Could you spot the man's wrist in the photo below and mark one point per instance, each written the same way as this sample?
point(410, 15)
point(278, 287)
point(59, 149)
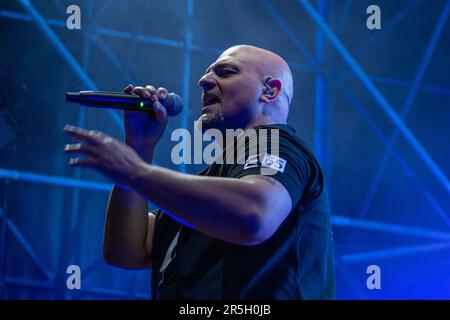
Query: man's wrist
point(147, 157)
point(144, 150)
point(146, 153)
point(142, 170)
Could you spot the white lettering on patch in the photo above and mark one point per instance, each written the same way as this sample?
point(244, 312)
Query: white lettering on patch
point(269, 161)
point(252, 162)
point(273, 162)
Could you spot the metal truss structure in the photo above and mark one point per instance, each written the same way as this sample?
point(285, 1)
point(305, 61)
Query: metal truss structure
point(323, 33)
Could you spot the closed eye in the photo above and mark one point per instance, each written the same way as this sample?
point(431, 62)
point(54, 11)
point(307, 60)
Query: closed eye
point(225, 72)
point(223, 69)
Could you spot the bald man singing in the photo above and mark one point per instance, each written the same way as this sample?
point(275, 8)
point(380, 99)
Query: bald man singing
point(232, 231)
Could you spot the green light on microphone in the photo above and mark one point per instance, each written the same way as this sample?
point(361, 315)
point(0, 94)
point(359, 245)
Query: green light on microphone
point(141, 105)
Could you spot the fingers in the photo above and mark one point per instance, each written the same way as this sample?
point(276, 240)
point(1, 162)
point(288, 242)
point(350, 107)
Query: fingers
point(148, 92)
point(140, 92)
point(158, 108)
point(91, 136)
point(128, 89)
point(162, 93)
point(77, 162)
point(79, 148)
point(157, 96)
point(91, 139)
point(152, 91)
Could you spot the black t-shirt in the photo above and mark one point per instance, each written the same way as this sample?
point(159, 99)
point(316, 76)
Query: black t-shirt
point(295, 263)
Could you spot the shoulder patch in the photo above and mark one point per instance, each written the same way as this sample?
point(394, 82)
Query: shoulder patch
point(269, 161)
point(273, 162)
point(252, 162)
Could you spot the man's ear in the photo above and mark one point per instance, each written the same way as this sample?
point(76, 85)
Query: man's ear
point(273, 88)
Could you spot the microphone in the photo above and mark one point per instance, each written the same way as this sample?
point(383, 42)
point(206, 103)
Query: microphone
point(124, 101)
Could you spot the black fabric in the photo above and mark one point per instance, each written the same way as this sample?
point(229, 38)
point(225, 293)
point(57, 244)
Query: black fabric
point(295, 263)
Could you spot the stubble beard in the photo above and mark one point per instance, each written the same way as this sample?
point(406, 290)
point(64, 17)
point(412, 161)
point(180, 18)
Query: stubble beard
point(216, 121)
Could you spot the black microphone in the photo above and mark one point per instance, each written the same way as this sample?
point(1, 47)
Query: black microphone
point(124, 101)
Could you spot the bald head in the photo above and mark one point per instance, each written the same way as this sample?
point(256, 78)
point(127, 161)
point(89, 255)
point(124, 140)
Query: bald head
point(233, 95)
point(265, 63)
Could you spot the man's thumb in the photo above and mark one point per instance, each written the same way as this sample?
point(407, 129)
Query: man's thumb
point(160, 112)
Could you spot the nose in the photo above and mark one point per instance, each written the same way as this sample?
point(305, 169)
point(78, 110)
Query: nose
point(207, 82)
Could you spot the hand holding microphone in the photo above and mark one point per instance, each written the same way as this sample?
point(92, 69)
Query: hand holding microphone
point(125, 101)
point(143, 130)
point(145, 112)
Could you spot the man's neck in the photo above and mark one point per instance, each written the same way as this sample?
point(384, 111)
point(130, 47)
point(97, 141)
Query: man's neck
point(263, 122)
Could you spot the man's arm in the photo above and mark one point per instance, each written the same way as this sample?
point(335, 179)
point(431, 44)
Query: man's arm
point(244, 211)
point(129, 230)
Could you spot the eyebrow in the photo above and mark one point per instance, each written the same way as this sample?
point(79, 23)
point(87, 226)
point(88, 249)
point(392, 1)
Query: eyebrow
point(222, 65)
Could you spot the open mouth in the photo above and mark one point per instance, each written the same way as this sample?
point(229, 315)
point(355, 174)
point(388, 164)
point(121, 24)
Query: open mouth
point(206, 109)
point(210, 100)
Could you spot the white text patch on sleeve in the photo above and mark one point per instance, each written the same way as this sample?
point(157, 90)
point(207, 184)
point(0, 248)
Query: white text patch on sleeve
point(274, 162)
point(269, 161)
